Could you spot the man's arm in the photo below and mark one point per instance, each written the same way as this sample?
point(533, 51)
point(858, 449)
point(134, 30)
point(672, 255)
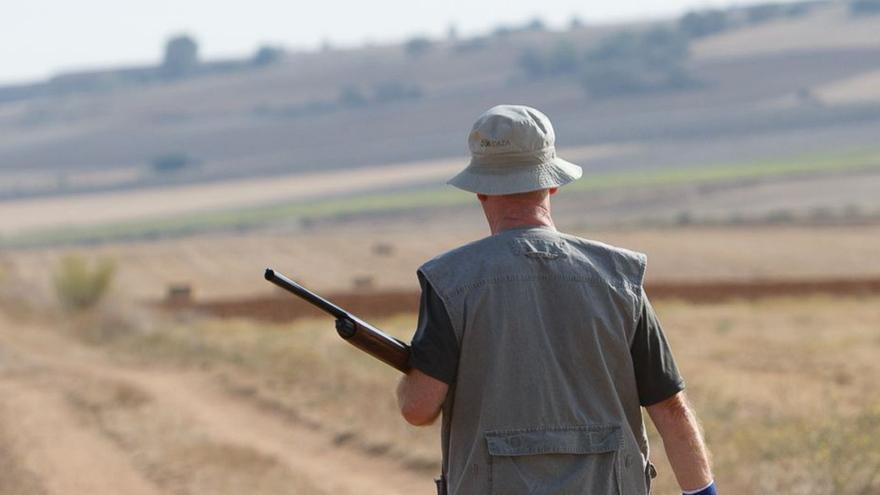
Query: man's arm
point(433, 359)
point(420, 397)
point(683, 441)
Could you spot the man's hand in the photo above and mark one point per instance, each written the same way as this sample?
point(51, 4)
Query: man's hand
point(683, 441)
point(420, 397)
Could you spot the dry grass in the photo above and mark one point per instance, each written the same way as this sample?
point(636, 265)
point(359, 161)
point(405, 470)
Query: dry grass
point(330, 259)
point(785, 388)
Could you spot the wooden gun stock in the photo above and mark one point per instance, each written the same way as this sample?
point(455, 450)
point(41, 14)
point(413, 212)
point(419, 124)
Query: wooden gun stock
point(355, 331)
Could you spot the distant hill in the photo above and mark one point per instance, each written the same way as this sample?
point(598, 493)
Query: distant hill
point(776, 71)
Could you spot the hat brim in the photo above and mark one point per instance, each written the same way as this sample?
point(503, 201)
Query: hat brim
point(516, 179)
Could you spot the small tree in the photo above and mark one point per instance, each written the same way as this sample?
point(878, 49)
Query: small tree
point(799, 9)
point(532, 62)
point(760, 13)
point(564, 58)
point(171, 162)
point(350, 96)
point(267, 55)
point(452, 32)
point(561, 60)
point(636, 63)
point(535, 25)
point(418, 46)
point(80, 285)
point(394, 90)
point(474, 44)
point(181, 56)
point(864, 7)
point(698, 24)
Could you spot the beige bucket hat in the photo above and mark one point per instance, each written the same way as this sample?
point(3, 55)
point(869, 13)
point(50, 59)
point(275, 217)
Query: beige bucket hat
point(513, 151)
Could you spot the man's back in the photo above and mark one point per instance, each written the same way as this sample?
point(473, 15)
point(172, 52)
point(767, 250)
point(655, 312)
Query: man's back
point(538, 347)
point(545, 398)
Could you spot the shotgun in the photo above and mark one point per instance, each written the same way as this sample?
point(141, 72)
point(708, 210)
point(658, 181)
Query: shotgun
point(355, 331)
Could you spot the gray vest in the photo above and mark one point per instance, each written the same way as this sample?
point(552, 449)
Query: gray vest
point(545, 399)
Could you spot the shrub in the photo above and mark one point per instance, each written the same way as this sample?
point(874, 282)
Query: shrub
point(471, 45)
point(864, 7)
point(79, 284)
point(502, 31)
point(629, 63)
point(351, 96)
point(533, 63)
point(393, 90)
point(535, 25)
point(561, 60)
point(267, 55)
point(760, 13)
point(171, 162)
point(799, 9)
point(418, 46)
point(564, 58)
point(698, 24)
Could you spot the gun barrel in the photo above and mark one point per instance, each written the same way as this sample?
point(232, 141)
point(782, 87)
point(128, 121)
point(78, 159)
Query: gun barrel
point(354, 330)
point(316, 300)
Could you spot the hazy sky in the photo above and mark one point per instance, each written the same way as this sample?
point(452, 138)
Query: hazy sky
point(41, 37)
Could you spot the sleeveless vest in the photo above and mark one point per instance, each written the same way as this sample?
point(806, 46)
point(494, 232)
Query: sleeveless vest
point(545, 398)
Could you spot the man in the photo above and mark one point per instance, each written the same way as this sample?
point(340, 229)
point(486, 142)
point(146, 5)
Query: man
point(540, 347)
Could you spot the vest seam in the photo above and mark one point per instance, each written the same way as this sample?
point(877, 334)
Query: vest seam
point(454, 318)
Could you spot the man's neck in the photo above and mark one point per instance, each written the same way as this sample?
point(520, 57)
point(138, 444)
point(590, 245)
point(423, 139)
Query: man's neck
point(511, 222)
point(518, 210)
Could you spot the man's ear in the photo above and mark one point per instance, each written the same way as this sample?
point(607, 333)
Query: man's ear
point(553, 190)
point(482, 197)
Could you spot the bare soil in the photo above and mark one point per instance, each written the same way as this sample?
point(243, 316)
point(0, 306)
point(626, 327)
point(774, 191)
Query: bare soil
point(74, 421)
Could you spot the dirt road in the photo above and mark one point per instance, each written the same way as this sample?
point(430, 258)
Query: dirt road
point(75, 421)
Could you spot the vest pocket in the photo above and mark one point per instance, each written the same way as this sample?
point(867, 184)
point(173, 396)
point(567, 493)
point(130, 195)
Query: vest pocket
point(574, 460)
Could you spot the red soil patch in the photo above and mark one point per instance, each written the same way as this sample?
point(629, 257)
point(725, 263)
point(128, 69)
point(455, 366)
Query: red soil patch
point(377, 304)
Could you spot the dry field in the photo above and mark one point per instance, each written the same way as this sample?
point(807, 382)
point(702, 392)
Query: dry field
point(92, 209)
point(829, 28)
point(107, 207)
point(118, 401)
point(387, 253)
point(125, 400)
point(247, 124)
point(863, 88)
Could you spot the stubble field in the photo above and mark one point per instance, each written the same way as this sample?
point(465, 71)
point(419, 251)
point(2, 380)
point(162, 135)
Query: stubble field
point(385, 255)
point(123, 399)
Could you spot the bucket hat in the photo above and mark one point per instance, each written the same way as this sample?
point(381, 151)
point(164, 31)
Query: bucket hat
point(513, 151)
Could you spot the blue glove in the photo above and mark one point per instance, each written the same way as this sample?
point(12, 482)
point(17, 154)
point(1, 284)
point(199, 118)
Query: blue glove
point(707, 490)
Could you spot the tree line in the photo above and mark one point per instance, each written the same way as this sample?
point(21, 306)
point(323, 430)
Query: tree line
point(654, 59)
